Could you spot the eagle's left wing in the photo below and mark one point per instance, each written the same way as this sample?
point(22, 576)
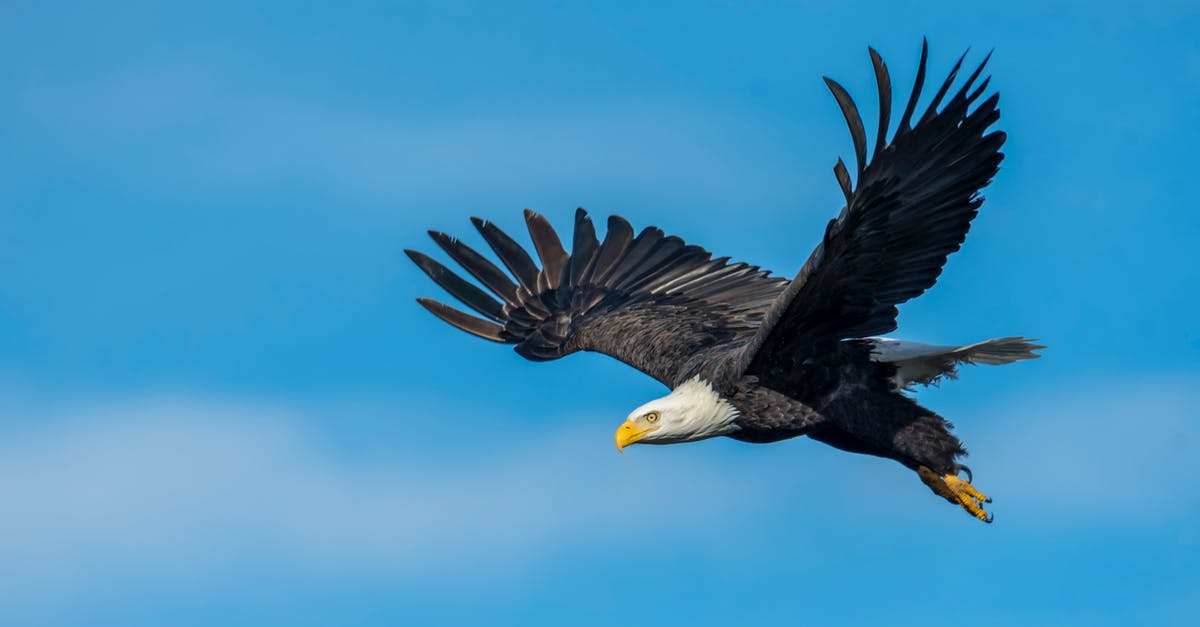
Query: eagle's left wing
point(651, 301)
point(910, 208)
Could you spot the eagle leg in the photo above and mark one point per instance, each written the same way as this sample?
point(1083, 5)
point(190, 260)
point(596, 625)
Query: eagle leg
point(957, 491)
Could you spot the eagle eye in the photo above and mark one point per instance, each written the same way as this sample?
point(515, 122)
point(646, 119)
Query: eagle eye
point(651, 417)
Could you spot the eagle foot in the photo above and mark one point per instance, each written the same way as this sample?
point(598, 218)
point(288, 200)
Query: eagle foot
point(957, 491)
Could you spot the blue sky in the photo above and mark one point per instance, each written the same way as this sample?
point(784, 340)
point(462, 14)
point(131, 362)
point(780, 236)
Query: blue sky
point(219, 403)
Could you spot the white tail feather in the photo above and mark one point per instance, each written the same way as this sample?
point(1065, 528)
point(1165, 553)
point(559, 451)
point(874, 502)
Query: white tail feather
point(927, 363)
point(1003, 350)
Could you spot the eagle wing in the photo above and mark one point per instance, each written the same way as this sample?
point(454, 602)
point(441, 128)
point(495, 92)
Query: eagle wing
point(651, 301)
point(911, 208)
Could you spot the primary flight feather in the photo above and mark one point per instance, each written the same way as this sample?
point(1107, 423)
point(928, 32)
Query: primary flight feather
point(760, 358)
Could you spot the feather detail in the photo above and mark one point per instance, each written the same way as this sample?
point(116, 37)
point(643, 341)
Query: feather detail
point(510, 253)
point(470, 324)
point(470, 295)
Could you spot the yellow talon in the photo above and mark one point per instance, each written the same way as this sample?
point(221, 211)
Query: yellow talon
point(957, 491)
point(957, 484)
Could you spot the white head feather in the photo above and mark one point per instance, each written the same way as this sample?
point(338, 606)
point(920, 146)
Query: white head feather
point(692, 411)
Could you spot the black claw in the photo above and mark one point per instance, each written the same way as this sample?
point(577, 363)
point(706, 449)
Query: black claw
point(990, 518)
point(987, 500)
point(967, 469)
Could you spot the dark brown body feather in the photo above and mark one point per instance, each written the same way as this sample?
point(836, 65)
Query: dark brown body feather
point(784, 353)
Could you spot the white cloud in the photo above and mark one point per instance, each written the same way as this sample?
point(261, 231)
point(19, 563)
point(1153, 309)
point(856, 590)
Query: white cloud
point(175, 489)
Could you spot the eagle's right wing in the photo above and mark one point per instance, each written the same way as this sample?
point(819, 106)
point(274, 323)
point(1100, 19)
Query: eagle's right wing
point(651, 301)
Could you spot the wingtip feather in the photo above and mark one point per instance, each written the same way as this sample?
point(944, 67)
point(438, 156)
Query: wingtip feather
point(464, 321)
point(883, 85)
point(853, 120)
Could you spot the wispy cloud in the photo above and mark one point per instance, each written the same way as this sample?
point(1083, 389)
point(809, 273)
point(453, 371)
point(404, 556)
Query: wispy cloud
point(165, 489)
point(169, 489)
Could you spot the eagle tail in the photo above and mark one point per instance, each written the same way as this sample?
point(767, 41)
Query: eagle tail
point(1004, 350)
point(927, 364)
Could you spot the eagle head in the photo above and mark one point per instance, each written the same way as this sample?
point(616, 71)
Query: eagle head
point(692, 411)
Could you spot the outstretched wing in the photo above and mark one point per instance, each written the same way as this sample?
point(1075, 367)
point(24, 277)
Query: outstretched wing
point(911, 208)
point(651, 301)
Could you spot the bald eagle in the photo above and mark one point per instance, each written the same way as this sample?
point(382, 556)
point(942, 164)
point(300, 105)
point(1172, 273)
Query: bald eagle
point(760, 358)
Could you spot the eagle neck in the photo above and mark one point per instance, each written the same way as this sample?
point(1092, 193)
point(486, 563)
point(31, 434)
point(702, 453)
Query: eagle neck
point(711, 414)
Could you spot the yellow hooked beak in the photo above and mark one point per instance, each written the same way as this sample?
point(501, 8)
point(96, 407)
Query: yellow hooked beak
point(629, 433)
